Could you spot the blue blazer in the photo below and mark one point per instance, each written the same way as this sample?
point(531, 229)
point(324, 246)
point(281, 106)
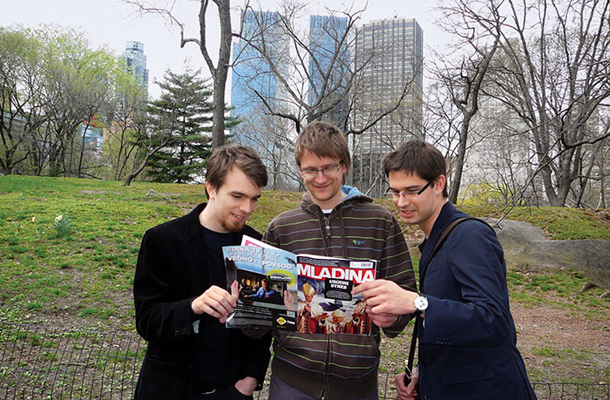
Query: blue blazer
point(467, 343)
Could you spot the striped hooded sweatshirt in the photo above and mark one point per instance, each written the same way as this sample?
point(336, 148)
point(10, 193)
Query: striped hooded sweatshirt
point(339, 366)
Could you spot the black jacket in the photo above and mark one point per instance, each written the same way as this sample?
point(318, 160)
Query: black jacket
point(172, 270)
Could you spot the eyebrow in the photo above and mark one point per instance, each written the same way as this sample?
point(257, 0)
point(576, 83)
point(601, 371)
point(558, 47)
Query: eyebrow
point(323, 166)
point(412, 187)
point(237, 192)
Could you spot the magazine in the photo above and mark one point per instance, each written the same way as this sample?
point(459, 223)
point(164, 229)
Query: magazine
point(274, 283)
point(325, 302)
point(267, 282)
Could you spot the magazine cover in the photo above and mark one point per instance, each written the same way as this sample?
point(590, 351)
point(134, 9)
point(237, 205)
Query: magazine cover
point(325, 302)
point(267, 286)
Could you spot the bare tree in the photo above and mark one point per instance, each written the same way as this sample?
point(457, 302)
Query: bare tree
point(555, 79)
point(219, 68)
point(273, 139)
point(149, 142)
point(476, 25)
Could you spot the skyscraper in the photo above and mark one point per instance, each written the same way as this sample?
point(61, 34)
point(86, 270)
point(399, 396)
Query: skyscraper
point(135, 61)
point(253, 77)
point(329, 67)
point(389, 53)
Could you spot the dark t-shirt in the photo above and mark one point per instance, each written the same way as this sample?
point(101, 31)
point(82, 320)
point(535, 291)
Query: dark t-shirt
point(215, 359)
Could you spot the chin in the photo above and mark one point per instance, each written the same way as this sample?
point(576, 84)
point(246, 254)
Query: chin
point(234, 227)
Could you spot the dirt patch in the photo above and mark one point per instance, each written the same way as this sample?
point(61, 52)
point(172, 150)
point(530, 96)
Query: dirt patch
point(547, 335)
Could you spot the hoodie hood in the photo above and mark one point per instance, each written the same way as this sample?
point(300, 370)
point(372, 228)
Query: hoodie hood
point(353, 196)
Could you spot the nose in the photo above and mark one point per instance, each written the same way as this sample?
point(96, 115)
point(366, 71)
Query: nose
point(402, 200)
point(248, 206)
point(320, 177)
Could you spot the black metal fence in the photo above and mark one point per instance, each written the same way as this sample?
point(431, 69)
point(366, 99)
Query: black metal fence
point(42, 363)
point(37, 363)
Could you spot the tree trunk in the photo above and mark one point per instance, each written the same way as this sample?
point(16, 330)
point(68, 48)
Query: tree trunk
point(221, 71)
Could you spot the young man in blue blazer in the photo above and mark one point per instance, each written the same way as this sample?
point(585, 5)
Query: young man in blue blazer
point(467, 338)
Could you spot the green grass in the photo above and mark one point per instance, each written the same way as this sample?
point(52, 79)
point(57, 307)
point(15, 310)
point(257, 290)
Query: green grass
point(87, 276)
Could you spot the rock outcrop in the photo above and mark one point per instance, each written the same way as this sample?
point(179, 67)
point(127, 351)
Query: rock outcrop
point(527, 248)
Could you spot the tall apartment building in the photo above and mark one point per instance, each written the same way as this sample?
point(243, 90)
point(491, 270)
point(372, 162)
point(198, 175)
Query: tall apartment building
point(390, 54)
point(253, 75)
point(135, 61)
point(329, 66)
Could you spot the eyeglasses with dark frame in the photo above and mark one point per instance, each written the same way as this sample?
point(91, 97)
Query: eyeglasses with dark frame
point(329, 171)
point(396, 194)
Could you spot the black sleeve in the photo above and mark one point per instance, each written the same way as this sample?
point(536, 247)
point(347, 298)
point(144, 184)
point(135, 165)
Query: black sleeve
point(161, 313)
point(255, 356)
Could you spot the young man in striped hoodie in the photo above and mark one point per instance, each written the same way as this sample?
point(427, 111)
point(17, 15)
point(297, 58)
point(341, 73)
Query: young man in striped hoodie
point(335, 220)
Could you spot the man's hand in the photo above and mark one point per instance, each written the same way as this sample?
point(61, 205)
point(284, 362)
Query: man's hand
point(246, 386)
point(403, 391)
point(383, 320)
point(385, 298)
point(217, 302)
point(288, 300)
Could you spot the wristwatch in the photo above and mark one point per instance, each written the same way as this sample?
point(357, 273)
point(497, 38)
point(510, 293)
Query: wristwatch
point(421, 304)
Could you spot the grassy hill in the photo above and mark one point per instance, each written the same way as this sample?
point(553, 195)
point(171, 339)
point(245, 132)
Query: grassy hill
point(83, 276)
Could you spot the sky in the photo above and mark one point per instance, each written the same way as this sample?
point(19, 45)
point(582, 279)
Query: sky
point(112, 23)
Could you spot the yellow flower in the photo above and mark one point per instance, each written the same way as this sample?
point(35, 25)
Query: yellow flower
point(33, 219)
point(59, 218)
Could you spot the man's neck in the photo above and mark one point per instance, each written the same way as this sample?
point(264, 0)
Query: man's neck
point(329, 204)
point(208, 220)
point(427, 225)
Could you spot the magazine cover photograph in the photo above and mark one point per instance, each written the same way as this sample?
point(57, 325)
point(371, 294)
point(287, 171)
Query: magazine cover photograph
point(267, 280)
point(325, 302)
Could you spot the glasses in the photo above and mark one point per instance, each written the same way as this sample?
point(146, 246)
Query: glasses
point(396, 194)
point(328, 171)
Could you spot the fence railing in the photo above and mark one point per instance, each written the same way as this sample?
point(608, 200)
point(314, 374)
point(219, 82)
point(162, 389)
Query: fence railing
point(43, 363)
point(37, 363)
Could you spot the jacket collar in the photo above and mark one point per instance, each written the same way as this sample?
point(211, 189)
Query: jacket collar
point(448, 214)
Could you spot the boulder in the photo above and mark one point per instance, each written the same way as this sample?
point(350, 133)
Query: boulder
point(528, 249)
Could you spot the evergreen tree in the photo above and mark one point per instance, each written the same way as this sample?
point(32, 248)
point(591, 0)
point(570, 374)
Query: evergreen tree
point(184, 113)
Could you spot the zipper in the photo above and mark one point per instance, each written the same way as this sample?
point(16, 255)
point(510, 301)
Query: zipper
point(327, 234)
point(326, 367)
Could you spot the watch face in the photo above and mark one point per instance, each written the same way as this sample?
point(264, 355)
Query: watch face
point(421, 303)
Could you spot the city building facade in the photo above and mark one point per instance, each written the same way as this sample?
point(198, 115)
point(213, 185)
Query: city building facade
point(389, 53)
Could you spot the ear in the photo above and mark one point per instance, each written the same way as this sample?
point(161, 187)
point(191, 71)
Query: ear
point(439, 183)
point(211, 190)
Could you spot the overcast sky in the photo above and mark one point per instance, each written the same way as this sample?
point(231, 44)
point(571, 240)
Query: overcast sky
point(112, 23)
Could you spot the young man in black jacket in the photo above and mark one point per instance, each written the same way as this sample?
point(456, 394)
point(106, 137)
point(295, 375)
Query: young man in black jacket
point(181, 296)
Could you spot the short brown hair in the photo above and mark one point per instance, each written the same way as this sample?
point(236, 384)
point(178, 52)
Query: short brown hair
point(417, 157)
point(224, 158)
point(323, 140)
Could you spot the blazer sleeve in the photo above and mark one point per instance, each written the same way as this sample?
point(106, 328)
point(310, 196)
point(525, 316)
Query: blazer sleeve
point(256, 355)
point(475, 311)
point(162, 312)
point(396, 266)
